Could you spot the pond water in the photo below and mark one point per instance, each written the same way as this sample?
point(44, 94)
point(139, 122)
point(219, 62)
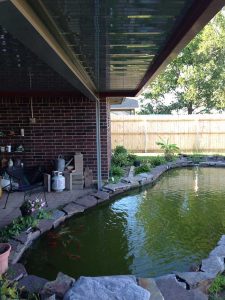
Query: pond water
point(147, 232)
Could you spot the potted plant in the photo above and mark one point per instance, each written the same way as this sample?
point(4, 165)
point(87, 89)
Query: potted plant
point(5, 249)
point(29, 206)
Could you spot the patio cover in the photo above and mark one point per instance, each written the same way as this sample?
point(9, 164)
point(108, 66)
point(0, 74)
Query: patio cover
point(106, 48)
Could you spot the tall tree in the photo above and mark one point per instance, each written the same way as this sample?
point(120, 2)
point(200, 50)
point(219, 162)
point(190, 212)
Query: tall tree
point(196, 78)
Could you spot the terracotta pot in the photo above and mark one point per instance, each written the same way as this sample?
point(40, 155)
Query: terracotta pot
point(5, 249)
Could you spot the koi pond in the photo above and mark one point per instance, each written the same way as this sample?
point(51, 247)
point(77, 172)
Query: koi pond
point(147, 232)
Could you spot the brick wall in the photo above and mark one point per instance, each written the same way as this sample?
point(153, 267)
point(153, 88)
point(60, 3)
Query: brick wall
point(64, 125)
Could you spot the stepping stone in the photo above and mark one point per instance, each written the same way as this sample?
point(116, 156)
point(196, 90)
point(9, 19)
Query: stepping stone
point(58, 217)
point(72, 208)
point(32, 283)
point(59, 286)
point(15, 272)
point(87, 201)
point(171, 289)
point(45, 225)
point(194, 279)
point(213, 265)
point(101, 196)
point(150, 285)
point(107, 287)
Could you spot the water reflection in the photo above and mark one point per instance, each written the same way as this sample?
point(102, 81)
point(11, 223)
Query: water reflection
point(161, 229)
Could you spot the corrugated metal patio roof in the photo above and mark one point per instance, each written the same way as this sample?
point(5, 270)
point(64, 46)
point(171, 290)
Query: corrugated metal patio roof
point(105, 47)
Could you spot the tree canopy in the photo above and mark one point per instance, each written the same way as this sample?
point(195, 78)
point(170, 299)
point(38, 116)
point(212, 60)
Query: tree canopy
point(195, 79)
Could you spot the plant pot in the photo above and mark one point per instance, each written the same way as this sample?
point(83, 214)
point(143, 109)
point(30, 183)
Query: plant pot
point(137, 163)
point(5, 249)
point(25, 212)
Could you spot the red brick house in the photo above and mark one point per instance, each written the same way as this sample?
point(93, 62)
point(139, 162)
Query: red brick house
point(62, 63)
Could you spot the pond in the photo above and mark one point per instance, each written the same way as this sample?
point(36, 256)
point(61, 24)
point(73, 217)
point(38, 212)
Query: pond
point(147, 232)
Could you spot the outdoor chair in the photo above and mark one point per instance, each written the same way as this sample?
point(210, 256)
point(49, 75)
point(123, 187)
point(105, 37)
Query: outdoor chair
point(28, 180)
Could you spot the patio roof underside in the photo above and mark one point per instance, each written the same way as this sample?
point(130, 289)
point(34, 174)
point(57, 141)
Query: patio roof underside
point(105, 47)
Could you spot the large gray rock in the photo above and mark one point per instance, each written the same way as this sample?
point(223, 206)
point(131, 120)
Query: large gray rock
point(150, 285)
point(32, 283)
point(107, 288)
point(15, 272)
point(213, 265)
point(171, 289)
point(218, 251)
point(59, 286)
point(195, 279)
point(221, 241)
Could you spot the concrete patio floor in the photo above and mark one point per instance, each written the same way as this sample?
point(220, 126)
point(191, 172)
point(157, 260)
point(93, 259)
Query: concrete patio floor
point(54, 199)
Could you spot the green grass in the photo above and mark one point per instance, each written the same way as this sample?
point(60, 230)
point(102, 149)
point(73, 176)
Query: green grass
point(217, 286)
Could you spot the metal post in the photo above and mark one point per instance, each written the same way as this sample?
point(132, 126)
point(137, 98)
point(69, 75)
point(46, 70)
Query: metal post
point(98, 144)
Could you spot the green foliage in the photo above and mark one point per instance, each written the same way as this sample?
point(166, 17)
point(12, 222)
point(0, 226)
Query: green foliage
point(218, 284)
point(168, 149)
point(21, 224)
point(8, 291)
point(117, 171)
point(122, 158)
point(120, 150)
point(196, 78)
point(119, 159)
point(131, 158)
point(157, 161)
point(142, 169)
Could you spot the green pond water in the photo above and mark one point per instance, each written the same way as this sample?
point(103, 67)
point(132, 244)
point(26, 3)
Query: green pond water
point(147, 232)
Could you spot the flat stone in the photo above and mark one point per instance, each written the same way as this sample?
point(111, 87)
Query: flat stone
point(213, 265)
point(45, 225)
point(221, 241)
point(17, 250)
point(27, 238)
point(100, 195)
point(150, 285)
point(171, 289)
point(59, 286)
point(58, 217)
point(15, 272)
point(194, 279)
point(87, 201)
point(32, 283)
point(72, 208)
point(107, 288)
point(218, 251)
point(117, 186)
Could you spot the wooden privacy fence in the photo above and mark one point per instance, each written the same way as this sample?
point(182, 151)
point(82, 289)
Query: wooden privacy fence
point(192, 133)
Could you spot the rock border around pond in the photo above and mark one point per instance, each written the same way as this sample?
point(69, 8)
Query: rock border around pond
point(186, 285)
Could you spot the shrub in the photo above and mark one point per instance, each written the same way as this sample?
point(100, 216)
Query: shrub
point(131, 158)
point(120, 150)
point(142, 169)
point(157, 161)
point(116, 171)
point(168, 149)
point(119, 159)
